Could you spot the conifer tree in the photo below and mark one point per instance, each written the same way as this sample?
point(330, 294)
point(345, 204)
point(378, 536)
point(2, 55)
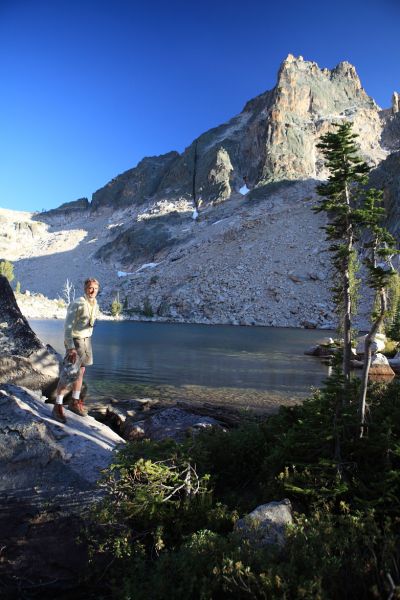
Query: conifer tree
point(380, 246)
point(392, 322)
point(348, 175)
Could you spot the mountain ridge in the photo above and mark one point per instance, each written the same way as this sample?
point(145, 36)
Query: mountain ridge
point(140, 223)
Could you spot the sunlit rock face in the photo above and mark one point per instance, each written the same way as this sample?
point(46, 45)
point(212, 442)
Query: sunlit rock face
point(307, 102)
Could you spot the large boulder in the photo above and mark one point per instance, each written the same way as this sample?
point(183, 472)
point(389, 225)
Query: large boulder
point(380, 367)
point(378, 343)
point(24, 359)
point(48, 474)
point(38, 452)
point(266, 524)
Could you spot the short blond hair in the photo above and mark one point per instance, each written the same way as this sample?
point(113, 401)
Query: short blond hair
point(91, 280)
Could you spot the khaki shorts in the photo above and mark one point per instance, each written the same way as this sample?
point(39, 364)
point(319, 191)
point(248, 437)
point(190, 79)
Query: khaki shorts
point(84, 349)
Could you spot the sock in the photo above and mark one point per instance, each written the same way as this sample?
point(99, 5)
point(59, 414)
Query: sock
point(59, 399)
point(76, 394)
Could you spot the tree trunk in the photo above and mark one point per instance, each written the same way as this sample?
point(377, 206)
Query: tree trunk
point(368, 357)
point(346, 325)
point(347, 298)
point(194, 178)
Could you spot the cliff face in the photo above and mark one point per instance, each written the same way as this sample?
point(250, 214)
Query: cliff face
point(387, 177)
point(135, 185)
point(274, 138)
point(307, 101)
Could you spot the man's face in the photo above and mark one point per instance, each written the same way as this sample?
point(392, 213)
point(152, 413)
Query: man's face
point(92, 290)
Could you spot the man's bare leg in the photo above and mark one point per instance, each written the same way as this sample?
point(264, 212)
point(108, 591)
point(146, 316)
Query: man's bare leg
point(77, 404)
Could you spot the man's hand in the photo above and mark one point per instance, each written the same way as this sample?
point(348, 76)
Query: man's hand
point(72, 354)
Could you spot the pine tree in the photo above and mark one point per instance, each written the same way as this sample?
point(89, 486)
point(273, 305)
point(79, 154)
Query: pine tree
point(380, 246)
point(392, 321)
point(348, 175)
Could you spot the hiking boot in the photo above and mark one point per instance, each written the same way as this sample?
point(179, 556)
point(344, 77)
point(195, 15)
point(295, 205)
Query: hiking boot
point(58, 413)
point(77, 407)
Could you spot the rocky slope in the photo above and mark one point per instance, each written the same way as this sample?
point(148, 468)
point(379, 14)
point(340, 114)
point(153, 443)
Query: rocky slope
point(258, 258)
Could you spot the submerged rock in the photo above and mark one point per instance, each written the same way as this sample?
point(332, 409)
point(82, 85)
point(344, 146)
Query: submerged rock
point(172, 423)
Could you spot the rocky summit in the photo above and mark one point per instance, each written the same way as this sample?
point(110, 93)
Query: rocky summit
point(255, 252)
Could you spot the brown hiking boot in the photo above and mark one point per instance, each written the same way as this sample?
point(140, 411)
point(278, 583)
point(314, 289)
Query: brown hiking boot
point(58, 413)
point(77, 407)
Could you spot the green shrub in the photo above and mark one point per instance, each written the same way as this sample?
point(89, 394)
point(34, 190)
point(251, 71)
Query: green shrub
point(116, 307)
point(61, 303)
point(167, 521)
point(7, 269)
point(147, 308)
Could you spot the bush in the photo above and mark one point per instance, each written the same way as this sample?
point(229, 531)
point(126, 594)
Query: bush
point(147, 308)
point(7, 269)
point(167, 520)
point(116, 307)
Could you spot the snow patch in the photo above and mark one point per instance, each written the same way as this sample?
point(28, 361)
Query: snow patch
point(147, 266)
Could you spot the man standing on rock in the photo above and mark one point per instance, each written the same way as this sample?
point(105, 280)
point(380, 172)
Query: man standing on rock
point(81, 315)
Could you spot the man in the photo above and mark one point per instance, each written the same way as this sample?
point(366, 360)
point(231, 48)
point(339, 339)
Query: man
point(81, 315)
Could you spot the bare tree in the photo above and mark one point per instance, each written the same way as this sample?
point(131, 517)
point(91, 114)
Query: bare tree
point(197, 201)
point(68, 291)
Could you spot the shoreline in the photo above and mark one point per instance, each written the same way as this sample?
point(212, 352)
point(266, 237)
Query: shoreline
point(40, 308)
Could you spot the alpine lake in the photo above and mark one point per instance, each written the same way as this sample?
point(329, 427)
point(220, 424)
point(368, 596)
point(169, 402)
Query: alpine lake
point(243, 367)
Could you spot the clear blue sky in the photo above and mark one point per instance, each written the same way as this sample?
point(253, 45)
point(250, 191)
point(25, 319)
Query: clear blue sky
point(88, 88)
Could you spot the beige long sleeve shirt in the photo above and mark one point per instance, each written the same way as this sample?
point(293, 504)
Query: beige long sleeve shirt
point(79, 322)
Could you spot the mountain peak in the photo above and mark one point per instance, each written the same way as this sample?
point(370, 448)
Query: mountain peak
point(346, 69)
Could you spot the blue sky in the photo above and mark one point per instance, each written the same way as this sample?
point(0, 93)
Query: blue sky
point(88, 88)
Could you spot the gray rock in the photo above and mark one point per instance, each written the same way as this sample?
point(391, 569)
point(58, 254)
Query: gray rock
point(297, 278)
point(309, 324)
point(24, 359)
point(48, 474)
point(136, 184)
point(377, 344)
point(37, 451)
point(395, 363)
point(172, 423)
point(320, 350)
point(380, 366)
point(266, 524)
point(68, 208)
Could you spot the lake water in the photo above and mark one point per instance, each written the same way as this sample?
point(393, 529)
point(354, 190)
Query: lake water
point(256, 367)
